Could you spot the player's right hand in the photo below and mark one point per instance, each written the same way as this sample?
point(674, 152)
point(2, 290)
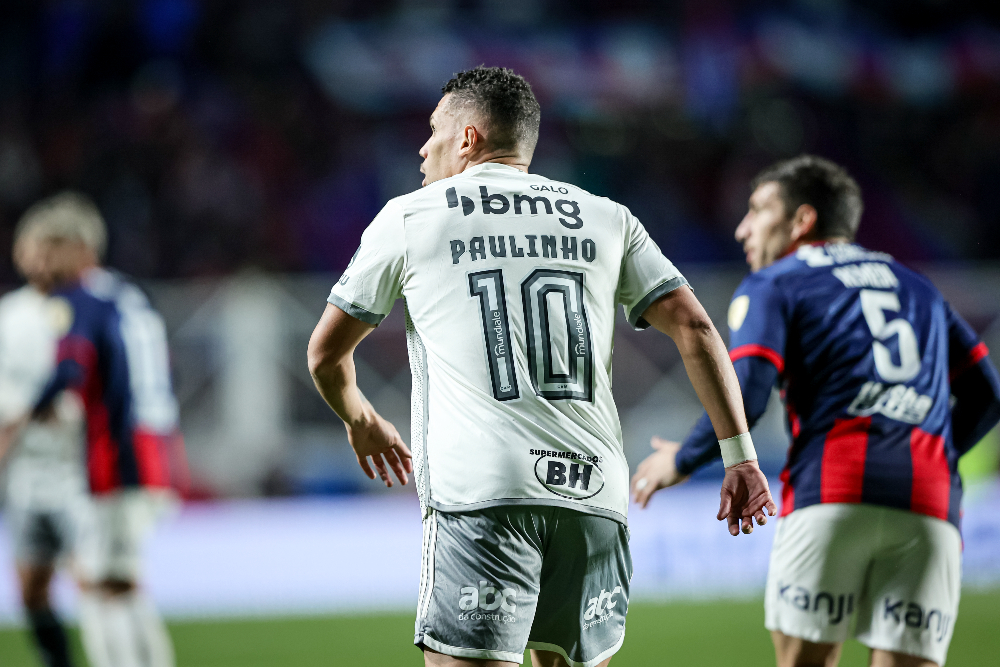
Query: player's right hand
point(376, 438)
point(744, 498)
point(657, 471)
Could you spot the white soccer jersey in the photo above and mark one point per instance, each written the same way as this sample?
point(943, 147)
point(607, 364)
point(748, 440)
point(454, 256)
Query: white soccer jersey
point(511, 282)
point(47, 462)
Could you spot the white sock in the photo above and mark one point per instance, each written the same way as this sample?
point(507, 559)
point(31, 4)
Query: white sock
point(124, 631)
point(93, 630)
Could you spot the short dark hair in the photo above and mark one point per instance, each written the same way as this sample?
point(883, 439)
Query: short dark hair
point(824, 185)
point(505, 100)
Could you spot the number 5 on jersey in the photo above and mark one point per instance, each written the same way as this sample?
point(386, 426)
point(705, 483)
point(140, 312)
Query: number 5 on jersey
point(874, 305)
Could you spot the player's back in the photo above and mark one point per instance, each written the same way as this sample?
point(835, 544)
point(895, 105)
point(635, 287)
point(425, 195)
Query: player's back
point(511, 283)
point(866, 372)
point(114, 356)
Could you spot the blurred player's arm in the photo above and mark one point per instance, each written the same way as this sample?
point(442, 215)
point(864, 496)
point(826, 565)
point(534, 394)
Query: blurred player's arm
point(331, 364)
point(756, 377)
point(680, 315)
point(975, 385)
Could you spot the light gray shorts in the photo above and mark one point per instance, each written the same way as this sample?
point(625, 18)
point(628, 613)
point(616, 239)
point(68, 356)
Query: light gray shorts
point(498, 580)
point(40, 537)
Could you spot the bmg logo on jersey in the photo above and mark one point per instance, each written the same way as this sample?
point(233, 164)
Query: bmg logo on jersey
point(482, 603)
point(569, 474)
point(599, 609)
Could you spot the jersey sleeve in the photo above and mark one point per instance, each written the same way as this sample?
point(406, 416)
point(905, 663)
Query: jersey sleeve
point(76, 354)
point(373, 279)
point(758, 321)
point(975, 385)
point(756, 377)
point(965, 350)
point(646, 274)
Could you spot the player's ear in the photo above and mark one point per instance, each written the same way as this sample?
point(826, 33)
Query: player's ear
point(804, 223)
point(470, 140)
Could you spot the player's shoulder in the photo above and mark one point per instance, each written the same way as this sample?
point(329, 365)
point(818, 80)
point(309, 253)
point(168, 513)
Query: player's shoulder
point(26, 295)
point(465, 190)
point(771, 278)
point(114, 288)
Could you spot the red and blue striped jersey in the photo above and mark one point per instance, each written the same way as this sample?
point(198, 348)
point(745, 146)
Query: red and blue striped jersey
point(865, 352)
point(114, 356)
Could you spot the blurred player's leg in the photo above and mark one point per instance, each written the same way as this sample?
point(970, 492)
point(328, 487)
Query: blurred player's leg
point(39, 538)
point(435, 659)
point(795, 652)
point(121, 628)
point(50, 638)
point(891, 659)
point(550, 659)
point(120, 625)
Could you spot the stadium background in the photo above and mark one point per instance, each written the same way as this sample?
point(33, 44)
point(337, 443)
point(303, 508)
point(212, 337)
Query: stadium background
point(238, 150)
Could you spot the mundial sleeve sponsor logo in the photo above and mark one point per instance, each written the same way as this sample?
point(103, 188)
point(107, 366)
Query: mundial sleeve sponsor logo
point(569, 474)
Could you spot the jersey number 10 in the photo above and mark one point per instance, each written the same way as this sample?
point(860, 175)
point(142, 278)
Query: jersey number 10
point(557, 333)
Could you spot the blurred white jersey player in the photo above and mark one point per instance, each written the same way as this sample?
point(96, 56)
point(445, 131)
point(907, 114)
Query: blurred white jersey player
point(46, 503)
point(112, 355)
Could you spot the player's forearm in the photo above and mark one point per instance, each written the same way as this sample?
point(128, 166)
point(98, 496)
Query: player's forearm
point(711, 372)
point(68, 373)
point(977, 405)
point(331, 363)
point(681, 316)
point(336, 380)
point(756, 377)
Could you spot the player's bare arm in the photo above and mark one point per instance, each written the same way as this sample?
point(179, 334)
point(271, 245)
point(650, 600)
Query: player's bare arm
point(745, 494)
point(331, 363)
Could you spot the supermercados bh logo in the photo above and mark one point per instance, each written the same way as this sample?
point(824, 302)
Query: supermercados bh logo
point(599, 609)
point(487, 603)
point(569, 474)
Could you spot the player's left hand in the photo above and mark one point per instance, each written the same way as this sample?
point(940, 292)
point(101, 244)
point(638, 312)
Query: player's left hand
point(744, 497)
point(657, 471)
point(376, 438)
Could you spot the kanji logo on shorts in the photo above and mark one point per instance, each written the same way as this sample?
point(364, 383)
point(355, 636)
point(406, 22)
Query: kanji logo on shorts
point(487, 598)
point(599, 608)
point(914, 616)
point(830, 604)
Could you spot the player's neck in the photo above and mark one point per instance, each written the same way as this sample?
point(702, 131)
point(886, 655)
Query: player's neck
point(516, 161)
point(814, 241)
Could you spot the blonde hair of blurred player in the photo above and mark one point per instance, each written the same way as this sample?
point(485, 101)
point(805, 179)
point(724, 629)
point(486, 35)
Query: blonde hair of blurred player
point(119, 624)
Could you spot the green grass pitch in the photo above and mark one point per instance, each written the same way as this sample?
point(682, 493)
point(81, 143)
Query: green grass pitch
point(681, 634)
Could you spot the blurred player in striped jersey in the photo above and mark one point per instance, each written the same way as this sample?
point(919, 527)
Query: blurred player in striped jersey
point(885, 387)
point(112, 355)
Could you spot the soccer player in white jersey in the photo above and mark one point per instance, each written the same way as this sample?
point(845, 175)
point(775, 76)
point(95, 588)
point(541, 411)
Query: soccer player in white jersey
point(46, 501)
point(112, 353)
point(511, 282)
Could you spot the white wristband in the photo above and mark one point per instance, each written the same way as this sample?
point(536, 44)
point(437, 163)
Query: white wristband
point(737, 449)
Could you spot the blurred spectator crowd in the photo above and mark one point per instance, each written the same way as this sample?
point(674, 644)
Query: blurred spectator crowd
point(217, 135)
